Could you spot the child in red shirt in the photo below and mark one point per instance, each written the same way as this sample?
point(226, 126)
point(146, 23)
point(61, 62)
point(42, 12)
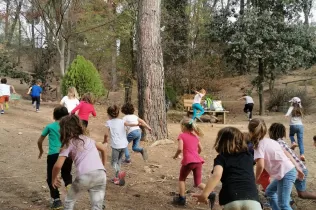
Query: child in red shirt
point(85, 108)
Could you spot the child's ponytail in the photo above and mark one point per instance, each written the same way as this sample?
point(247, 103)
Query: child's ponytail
point(188, 125)
point(257, 130)
point(197, 129)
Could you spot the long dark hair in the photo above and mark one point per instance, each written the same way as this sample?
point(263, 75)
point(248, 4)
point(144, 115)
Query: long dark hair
point(297, 110)
point(70, 129)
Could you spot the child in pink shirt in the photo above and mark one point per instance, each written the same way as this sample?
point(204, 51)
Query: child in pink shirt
point(85, 108)
point(189, 144)
point(90, 171)
point(270, 156)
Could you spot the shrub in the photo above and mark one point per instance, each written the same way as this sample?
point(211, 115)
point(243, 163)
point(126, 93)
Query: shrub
point(279, 99)
point(84, 76)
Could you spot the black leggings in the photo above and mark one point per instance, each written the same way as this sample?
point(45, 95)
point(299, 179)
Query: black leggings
point(249, 108)
point(36, 99)
point(65, 173)
point(85, 123)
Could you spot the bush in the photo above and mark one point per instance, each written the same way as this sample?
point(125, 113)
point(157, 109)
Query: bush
point(279, 99)
point(84, 76)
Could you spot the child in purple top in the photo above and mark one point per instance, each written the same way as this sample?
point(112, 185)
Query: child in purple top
point(91, 173)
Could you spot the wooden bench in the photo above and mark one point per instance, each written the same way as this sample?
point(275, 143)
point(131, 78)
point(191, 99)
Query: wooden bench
point(187, 103)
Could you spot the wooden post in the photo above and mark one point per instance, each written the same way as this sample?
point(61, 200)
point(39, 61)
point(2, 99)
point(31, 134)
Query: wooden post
point(224, 116)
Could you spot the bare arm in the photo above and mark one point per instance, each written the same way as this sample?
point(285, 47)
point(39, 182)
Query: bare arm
point(199, 148)
point(29, 91)
point(40, 146)
point(259, 168)
point(179, 150)
point(241, 98)
point(298, 168)
point(102, 148)
point(13, 89)
point(211, 184)
point(106, 135)
point(143, 123)
point(56, 170)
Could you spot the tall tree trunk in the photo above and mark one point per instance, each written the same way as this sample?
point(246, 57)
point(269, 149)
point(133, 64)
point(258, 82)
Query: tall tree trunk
point(20, 40)
point(260, 86)
point(61, 45)
point(16, 18)
point(113, 67)
point(242, 7)
point(6, 23)
point(307, 6)
point(68, 55)
point(151, 91)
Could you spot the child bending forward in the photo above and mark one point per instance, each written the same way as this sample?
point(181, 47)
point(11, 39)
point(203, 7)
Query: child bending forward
point(90, 171)
point(233, 166)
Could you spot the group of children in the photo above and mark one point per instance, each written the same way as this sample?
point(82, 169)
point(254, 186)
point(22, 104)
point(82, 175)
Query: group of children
point(234, 164)
point(69, 143)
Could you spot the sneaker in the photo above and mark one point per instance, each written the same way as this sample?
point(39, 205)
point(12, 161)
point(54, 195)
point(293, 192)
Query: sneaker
point(57, 204)
point(127, 161)
point(144, 154)
point(37, 110)
point(212, 198)
point(179, 200)
point(294, 145)
point(68, 187)
point(2, 111)
point(6, 105)
point(34, 104)
point(303, 158)
point(120, 180)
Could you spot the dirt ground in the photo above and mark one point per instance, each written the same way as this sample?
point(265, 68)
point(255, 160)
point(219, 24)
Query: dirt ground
point(23, 176)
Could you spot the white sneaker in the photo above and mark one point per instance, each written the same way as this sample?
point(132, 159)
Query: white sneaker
point(37, 110)
point(34, 104)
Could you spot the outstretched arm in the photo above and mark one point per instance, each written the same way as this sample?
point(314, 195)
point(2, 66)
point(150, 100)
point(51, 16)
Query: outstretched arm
point(179, 150)
point(143, 123)
point(259, 168)
point(13, 89)
point(29, 91)
point(211, 184)
point(40, 146)
point(76, 109)
point(241, 98)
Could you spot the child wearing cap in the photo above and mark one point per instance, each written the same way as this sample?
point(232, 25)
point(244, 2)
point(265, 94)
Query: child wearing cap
point(295, 113)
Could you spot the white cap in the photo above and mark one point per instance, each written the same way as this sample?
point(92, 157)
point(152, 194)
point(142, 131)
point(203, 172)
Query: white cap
point(295, 100)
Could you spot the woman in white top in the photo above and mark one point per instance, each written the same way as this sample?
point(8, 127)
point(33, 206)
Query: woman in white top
point(196, 106)
point(248, 105)
point(295, 112)
point(134, 134)
point(71, 100)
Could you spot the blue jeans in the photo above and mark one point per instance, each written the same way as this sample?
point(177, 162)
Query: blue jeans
point(299, 131)
point(279, 191)
point(134, 136)
point(301, 185)
point(195, 108)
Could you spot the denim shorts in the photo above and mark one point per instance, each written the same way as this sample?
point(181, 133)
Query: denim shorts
point(301, 185)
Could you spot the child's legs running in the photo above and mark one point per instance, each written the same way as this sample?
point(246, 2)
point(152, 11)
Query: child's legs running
point(271, 193)
point(250, 110)
point(184, 173)
point(51, 160)
point(97, 192)
point(127, 155)
point(117, 155)
point(2, 101)
point(66, 171)
point(135, 136)
point(292, 133)
point(38, 102)
point(285, 186)
point(194, 107)
point(200, 108)
point(246, 108)
point(197, 175)
point(243, 205)
point(300, 135)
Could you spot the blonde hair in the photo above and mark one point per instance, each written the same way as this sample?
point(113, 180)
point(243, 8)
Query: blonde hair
point(257, 130)
point(203, 91)
point(230, 140)
point(188, 124)
point(72, 93)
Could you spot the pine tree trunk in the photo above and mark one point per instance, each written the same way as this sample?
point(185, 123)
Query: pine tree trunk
point(151, 92)
point(6, 23)
point(16, 18)
point(260, 86)
point(114, 71)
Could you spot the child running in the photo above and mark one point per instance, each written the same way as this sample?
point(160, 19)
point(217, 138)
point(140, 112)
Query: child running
point(196, 106)
point(134, 134)
point(277, 132)
point(116, 131)
point(85, 108)
point(295, 113)
point(248, 105)
point(70, 101)
point(54, 145)
point(5, 94)
point(233, 166)
point(36, 93)
point(90, 171)
point(270, 156)
point(189, 144)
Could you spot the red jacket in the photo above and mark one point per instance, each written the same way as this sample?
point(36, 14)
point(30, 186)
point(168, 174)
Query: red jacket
point(85, 109)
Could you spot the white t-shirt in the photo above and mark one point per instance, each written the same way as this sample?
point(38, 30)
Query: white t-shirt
point(249, 100)
point(294, 120)
point(117, 133)
point(70, 104)
point(131, 119)
point(5, 90)
point(197, 98)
